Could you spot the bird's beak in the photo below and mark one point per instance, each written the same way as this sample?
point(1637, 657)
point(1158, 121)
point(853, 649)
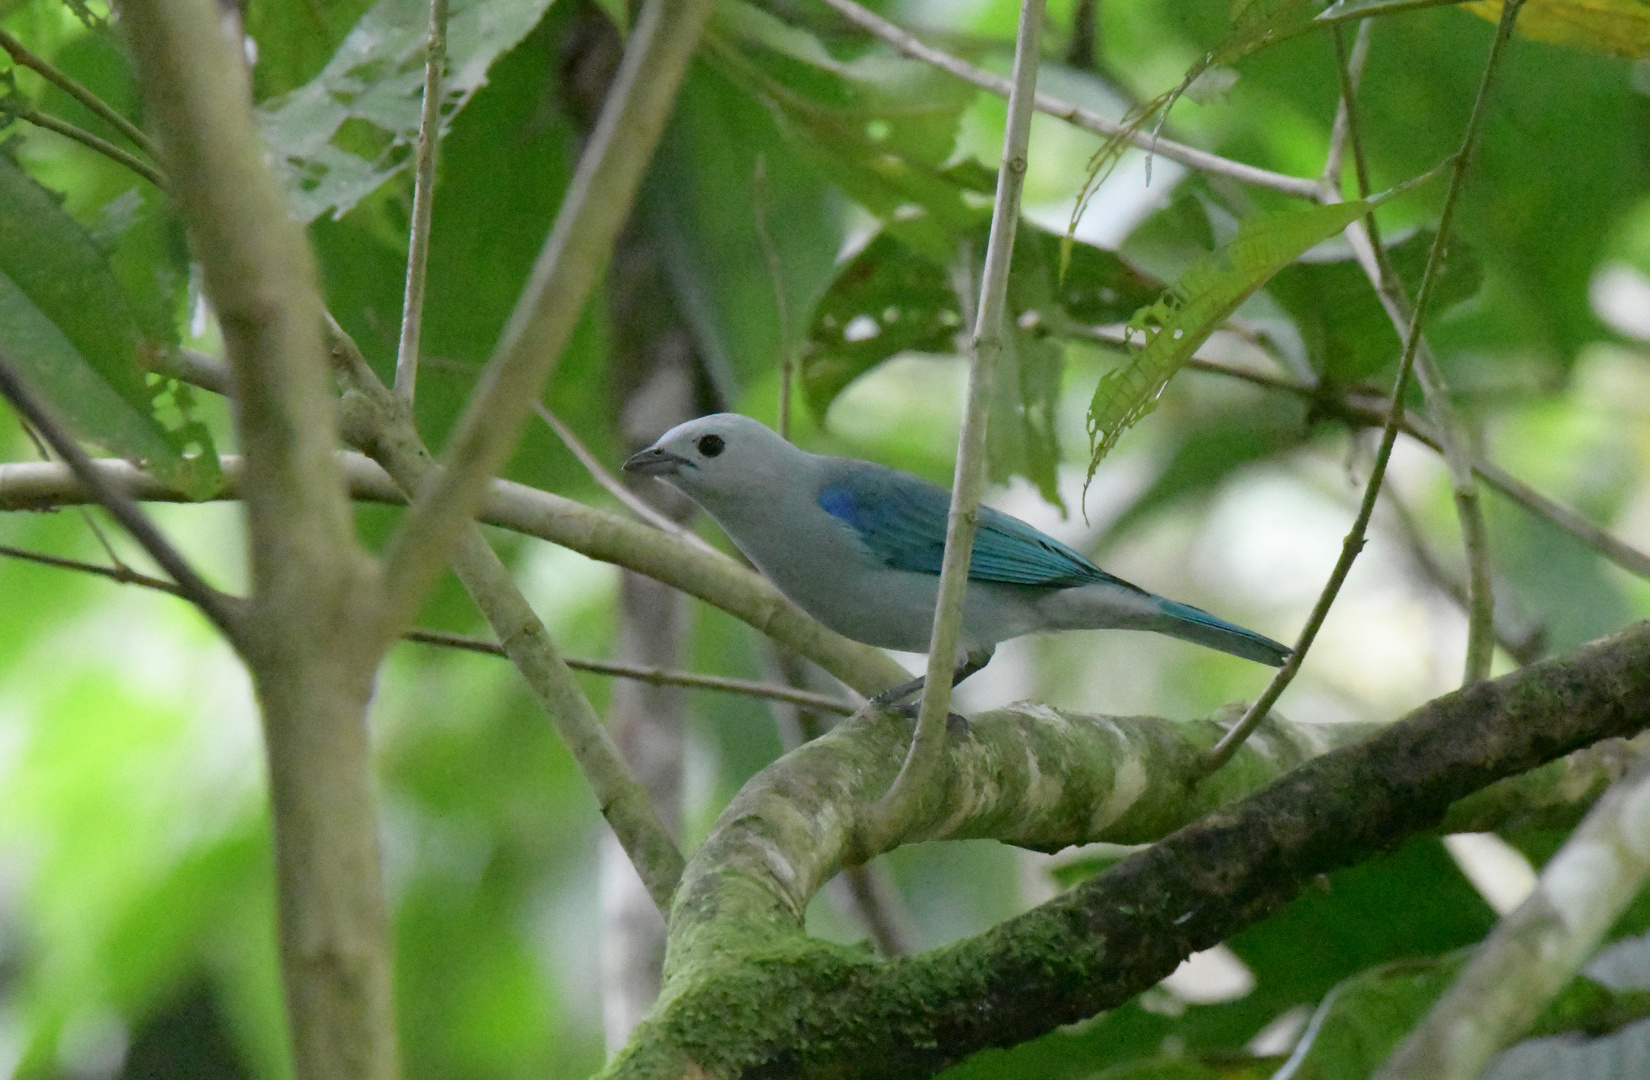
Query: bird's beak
point(654, 461)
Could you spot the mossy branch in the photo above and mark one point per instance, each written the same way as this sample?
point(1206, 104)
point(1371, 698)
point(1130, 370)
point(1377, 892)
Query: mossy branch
point(747, 991)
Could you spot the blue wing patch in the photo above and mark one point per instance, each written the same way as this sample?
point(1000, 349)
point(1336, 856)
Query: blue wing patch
point(901, 518)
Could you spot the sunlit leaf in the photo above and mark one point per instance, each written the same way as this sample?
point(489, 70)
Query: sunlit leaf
point(1171, 329)
point(341, 135)
point(1614, 27)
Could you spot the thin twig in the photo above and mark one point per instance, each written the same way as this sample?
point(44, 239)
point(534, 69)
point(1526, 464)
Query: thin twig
point(101, 145)
point(1523, 644)
point(418, 242)
point(21, 55)
point(1223, 750)
point(915, 781)
point(597, 204)
point(907, 43)
point(1532, 501)
point(612, 484)
point(85, 513)
point(654, 676)
point(1353, 70)
point(781, 304)
point(1454, 440)
point(216, 606)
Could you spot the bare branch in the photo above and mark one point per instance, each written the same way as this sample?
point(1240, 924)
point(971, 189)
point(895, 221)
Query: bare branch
point(653, 676)
point(380, 421)
point(593, 211)
point(1352, 73)
point(314, 588)
point(222, 609)
point(1075, 115)
point(418, 243)
point(712, 577)
point(916, 780)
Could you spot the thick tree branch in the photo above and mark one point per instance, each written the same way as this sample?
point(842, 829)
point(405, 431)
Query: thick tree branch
point(314, 589)
point(1039, 779)
point(594, 210)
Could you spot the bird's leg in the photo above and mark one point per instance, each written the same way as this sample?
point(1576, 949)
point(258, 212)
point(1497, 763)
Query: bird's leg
point(895, 695)
point(971, 663)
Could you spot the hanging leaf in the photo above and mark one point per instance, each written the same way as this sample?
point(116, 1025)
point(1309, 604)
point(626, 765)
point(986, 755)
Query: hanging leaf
point(1172, 328)
point(71, 329)
point(341, 135)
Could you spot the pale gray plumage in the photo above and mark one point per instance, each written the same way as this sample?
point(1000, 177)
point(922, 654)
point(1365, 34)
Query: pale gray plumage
point(858, 546)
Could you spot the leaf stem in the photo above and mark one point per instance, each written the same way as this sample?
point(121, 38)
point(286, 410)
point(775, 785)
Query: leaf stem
point(916, 781)
point(103, 146)
point(781, 303)
point(21, 56)
point(418, 242)
point(1354, 542)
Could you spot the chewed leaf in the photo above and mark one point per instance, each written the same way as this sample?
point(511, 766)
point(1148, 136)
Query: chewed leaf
point(1172, 328)
point(375, 83)
point(71, 329)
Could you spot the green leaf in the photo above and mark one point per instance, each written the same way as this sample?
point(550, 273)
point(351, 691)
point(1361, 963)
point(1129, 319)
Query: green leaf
point(344, 133)
point(1347, 333)
point(71, 329)
point(1174, 326)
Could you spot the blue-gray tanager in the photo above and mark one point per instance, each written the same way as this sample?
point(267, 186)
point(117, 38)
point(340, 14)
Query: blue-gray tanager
point(858, 546)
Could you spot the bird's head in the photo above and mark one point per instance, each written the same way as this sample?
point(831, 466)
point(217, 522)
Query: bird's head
point(716, 454)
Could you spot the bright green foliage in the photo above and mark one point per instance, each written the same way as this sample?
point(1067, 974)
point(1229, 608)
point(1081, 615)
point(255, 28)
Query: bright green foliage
point(1173, 328)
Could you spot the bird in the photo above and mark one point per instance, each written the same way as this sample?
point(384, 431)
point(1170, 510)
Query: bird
point(858, 546)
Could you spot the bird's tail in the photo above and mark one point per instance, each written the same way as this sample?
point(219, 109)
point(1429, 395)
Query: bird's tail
point(1201, 628)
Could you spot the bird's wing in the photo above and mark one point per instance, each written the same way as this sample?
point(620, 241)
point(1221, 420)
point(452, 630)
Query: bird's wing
point(901, 518)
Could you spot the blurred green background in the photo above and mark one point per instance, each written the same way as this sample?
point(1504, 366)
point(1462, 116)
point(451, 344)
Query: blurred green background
point(136, 929)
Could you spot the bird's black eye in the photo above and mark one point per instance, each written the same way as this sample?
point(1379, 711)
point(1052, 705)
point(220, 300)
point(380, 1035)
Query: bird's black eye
point(710, 445)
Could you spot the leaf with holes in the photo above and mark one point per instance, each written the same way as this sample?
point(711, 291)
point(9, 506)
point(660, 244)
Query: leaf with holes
point(1172, 328)
point(341, 135)
point(73, 333)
